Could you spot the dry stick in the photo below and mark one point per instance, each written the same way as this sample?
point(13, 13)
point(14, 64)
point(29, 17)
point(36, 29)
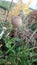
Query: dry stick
point(8, 11)
point(31, 37)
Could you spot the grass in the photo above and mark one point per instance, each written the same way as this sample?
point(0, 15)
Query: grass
point(14, 50)
point(5, 5)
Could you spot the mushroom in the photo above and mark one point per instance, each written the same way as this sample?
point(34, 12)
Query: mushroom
point(17, 21)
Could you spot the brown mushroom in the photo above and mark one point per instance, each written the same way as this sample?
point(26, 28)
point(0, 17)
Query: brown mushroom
point(17, 21)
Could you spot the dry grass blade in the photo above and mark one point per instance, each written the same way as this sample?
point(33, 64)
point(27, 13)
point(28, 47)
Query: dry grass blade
point(31, 37)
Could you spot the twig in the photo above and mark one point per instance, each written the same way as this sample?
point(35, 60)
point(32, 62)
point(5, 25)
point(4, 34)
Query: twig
point(8, 11)
point(31, 37)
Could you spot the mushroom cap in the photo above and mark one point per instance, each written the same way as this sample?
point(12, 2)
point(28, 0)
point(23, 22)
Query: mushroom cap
point(17, 21)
